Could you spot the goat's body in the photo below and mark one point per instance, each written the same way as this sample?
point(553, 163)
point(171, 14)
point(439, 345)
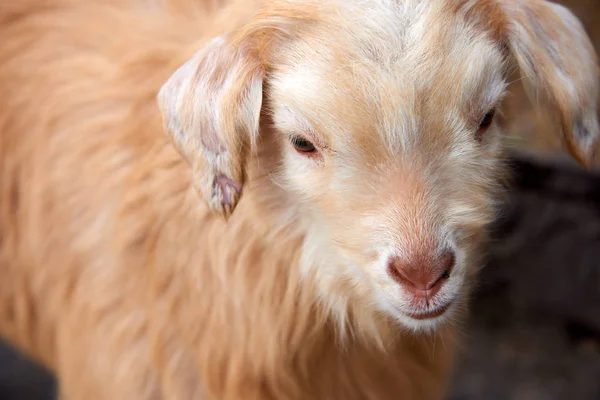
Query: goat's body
point(113, 272)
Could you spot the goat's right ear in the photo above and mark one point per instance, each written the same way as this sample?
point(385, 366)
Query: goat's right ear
point(560, 68)
point(211, 107)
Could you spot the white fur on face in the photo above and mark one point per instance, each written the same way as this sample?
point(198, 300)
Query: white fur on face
point(394, 108)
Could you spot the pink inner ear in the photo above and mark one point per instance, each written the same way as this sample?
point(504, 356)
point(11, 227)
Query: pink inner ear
point(227, 187)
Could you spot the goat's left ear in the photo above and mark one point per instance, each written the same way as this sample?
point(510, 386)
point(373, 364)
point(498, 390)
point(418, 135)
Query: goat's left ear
point(559, 67)
point(211, 107)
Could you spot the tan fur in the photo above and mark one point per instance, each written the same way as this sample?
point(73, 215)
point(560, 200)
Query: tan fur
point(118, 275)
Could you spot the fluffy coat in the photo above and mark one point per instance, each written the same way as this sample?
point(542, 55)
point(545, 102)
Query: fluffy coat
point(182, 249)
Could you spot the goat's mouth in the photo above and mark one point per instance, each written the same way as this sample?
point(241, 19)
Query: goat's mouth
point(430, 314)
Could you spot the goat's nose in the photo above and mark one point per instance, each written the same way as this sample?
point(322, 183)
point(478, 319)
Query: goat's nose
point(422, 275)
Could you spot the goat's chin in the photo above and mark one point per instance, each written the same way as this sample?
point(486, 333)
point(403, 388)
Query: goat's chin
point(427, 325)
point(425, 321)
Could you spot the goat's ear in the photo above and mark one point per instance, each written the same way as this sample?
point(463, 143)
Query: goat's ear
point(559, 68)
point(211, 107)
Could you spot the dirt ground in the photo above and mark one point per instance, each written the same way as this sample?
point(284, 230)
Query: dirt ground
point(535, 326)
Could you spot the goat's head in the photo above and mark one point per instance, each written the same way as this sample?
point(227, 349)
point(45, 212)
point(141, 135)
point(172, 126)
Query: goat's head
point(378, 124)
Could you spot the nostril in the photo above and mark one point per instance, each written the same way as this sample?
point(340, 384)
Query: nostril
point(448, 259)
point(446, 265)
point(423, 273)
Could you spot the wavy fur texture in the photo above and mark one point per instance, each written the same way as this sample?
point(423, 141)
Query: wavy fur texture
point(118, 269)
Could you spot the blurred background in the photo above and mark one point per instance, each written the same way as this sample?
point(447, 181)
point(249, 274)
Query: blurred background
point(534, 332)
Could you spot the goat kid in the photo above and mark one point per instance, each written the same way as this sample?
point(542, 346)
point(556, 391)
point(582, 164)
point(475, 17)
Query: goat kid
point(308, 222)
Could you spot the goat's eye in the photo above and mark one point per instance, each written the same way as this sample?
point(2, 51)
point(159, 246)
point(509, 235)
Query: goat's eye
point(485, 123)
point(302, 145)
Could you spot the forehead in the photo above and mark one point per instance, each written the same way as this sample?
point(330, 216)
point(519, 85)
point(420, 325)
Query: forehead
point(387, 63)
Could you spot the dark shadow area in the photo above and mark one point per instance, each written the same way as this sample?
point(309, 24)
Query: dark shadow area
point(22, 380)
point(534, 331)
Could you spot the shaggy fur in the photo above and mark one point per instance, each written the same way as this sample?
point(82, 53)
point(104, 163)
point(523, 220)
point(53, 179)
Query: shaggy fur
point(211, 260)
